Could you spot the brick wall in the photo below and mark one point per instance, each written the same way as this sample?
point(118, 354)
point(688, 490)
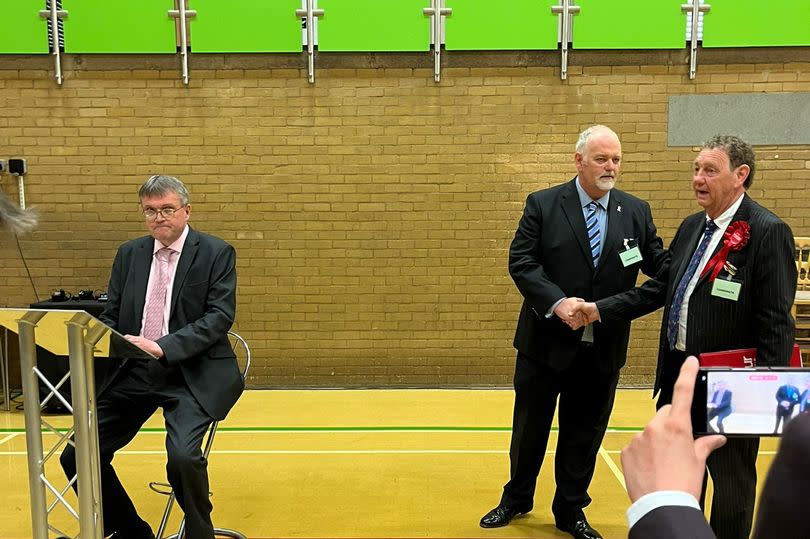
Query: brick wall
point(371, 212)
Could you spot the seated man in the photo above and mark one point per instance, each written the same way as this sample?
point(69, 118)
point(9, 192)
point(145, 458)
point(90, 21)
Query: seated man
point(172, 293)
point(664, 468)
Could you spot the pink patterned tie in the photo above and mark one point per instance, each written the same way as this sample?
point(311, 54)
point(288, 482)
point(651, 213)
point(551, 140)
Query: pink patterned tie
point(153, 326)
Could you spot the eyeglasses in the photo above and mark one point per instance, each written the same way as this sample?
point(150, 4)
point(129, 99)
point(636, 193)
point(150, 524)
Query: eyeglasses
point(166, 213)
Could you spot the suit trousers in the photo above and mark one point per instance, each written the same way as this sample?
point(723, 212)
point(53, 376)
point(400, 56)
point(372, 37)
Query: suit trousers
point(586, 398)
point(783, 415)
point(123, 407)
point(732, 468)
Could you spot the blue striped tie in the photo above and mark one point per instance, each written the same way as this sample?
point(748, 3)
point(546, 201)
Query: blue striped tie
point(680, 291)
point(594, 234)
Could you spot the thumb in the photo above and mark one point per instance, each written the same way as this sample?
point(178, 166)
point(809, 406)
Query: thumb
point(706, 444)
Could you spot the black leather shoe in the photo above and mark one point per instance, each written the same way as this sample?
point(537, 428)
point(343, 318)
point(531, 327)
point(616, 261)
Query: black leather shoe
point(580, 529)
point(502, 515)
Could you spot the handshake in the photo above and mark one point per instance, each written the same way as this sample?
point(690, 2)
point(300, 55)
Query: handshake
point(576, 312)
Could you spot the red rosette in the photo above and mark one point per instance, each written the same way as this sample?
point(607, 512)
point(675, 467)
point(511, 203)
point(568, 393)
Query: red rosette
point(734, 239)
point(737, 235)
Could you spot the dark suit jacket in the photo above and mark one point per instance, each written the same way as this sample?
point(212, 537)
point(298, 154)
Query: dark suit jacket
point(782, 505)
point(550, 259)
point(672, 522)
point(788, 393)
point(725, 403)
point(759, 319)
point(203, 305)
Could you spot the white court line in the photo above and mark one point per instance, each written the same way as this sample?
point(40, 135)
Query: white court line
point(9, 437)
point(612, 465)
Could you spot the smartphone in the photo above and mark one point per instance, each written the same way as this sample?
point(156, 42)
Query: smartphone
point(749, 402)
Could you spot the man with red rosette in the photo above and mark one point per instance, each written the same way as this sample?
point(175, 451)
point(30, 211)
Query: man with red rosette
point(729, 284)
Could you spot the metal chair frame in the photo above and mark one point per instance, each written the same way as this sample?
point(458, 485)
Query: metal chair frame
point(166, 489)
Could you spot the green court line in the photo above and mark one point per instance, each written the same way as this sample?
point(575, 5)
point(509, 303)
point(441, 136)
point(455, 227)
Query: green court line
point(351, 429)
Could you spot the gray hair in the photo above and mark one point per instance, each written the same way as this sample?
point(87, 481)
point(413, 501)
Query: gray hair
point(159, 185)
point(739, 153)
point(585, 135)
point(14, 218)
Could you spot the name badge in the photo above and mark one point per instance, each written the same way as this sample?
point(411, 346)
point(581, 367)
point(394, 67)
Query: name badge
point(726, 289)
point(630, 255)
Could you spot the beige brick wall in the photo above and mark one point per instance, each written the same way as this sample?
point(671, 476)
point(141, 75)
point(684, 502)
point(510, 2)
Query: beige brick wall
point(371, 212)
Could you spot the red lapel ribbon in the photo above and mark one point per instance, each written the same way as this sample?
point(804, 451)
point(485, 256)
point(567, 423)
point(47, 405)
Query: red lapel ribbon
point(735, 238)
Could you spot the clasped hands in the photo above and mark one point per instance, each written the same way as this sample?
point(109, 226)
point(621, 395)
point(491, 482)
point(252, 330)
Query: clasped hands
point(576, 312)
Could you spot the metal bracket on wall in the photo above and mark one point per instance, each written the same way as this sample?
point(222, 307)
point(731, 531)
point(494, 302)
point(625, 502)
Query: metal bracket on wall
point(694, 7)
point(55, 14)
point(436, 12)
point(564, 10)
point(183, 15)
point(310, 13)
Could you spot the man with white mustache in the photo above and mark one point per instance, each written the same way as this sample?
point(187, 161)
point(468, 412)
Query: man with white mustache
point(580, 239)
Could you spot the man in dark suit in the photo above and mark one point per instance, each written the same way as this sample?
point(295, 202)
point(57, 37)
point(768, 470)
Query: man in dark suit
point(729, 284)
point(580, 239)
point(172, 293)
point(664, 466)
point(719, 405)
point(787, 397)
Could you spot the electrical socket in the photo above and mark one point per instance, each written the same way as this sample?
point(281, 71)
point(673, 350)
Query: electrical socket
point(17, 166)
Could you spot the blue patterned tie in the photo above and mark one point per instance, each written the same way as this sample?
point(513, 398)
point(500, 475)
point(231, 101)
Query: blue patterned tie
point(677, 299)
point(592, 227)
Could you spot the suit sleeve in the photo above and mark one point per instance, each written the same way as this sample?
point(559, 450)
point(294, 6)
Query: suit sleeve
point(114, 288)
point(672, 522)
point(775, 283)
point(199, 336)
point(643, 299)
point(525, 265)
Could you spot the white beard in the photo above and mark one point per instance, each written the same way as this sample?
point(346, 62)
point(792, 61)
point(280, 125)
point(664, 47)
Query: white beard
point(605, 184)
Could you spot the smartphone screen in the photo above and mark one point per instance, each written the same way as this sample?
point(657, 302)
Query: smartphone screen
point(749, 402)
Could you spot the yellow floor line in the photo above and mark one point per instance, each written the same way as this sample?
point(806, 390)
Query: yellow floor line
point(612, 465)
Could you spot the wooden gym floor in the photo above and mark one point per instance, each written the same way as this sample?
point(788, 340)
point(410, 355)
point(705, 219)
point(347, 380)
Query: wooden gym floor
point(346, 463)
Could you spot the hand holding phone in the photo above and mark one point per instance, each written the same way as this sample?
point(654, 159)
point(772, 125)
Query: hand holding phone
point(666, 456)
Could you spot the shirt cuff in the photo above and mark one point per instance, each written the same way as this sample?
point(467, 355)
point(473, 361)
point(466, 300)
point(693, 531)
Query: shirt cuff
point(550, 311)
point(654, 500)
